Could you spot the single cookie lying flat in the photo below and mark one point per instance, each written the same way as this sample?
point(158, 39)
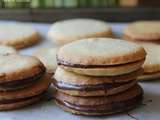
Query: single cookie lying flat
point(18, 35)
point(66, 31)
point(152, 63)
point(143, 30)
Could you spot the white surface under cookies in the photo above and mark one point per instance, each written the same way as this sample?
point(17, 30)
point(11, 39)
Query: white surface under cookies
point(49, 111)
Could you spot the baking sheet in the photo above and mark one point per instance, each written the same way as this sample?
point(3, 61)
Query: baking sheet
point(150, 110)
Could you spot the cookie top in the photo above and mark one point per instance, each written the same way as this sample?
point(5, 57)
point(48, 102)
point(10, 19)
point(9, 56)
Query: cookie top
point(48, 57)
point(143, 30)
point(17, 34)
point(152, 62)
point(19, 67)
point(100, 52)
point(7, 50)
point(68, 30)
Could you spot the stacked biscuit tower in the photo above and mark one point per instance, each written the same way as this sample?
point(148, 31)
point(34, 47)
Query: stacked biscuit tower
point(23, 81)
point(97, 76)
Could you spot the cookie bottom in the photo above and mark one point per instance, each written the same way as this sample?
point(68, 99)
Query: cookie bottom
point(101, 105)
point(117, 110)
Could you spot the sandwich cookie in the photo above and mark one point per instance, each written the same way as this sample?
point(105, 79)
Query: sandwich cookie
point(101, 57)
point(66, 31)
point(19, 98)
point(18, 71)
point(48, 58)
point(7, 50)
point(152, 63)
point(143, 31)
point(81, 85)
point(121, 102)
point(18, 35)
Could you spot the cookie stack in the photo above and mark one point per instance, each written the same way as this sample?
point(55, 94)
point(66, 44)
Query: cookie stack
point(97, 76)
point(18, 35)
point(22, 81)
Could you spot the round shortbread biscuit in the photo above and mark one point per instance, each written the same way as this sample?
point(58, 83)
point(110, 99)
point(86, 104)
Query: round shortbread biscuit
point(152, 62)
point(16, 67)
point(66, 31)
point(18, 35)
point(100, 105)
point(143, 30)
point(151, 65)
point(101, 56)
point(48, 57)
point(35, 89)
point(64, 76)
point(7, 50)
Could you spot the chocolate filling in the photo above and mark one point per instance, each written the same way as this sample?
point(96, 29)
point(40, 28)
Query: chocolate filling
point(69, 64)
point(151, 73)
point(66, 86)
point(22, 99)
point(28, 80)
point(114, 106)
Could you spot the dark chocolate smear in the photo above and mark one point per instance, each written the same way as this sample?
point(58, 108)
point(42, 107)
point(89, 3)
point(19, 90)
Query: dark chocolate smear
point(69, 64)
point(114, 106)
point(105, 86)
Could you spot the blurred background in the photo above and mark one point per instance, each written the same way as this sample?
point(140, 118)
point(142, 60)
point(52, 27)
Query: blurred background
point(53, 10)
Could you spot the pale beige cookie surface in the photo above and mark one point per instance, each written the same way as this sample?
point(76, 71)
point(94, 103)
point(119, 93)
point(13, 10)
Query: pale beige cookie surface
point(7, 50)
point(16, 67)
point(65, 76)
point(152, 63)
point(48, 57)
point(101, 56)
point(66, 31)
point(143, 30)
point(18, 35)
